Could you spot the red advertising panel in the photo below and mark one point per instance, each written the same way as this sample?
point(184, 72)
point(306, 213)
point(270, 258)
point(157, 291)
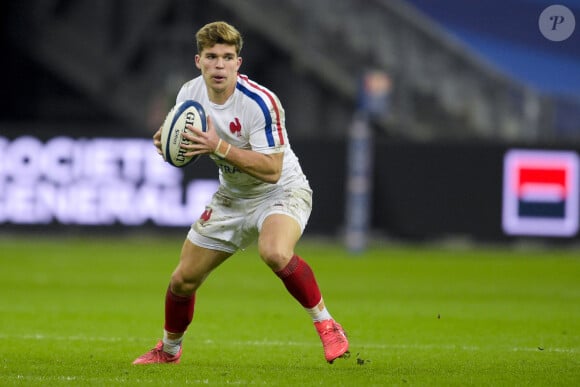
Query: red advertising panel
point(540, 193)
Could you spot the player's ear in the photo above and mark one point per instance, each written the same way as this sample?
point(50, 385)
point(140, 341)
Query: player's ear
point(239, 62)
point(197, 59)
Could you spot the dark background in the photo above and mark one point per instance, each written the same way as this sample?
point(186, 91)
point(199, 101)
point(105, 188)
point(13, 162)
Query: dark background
point(470, 81)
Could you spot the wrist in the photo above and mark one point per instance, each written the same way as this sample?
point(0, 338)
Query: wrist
point(222, 149)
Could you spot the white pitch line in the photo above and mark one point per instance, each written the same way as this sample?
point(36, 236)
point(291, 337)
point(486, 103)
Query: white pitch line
point(80, 379)
point(275, 343)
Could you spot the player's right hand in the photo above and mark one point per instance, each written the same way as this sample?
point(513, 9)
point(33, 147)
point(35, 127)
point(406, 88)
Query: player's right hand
point(157, 141)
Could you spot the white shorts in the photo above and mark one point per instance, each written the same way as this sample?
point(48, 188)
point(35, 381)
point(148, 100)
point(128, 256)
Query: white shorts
point(229, 223)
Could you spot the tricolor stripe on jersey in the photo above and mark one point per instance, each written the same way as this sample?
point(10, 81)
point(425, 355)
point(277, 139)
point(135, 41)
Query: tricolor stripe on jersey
point(256, 96)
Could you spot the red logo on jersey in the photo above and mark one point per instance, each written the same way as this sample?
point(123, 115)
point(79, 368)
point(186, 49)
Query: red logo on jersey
point(236, 127)
point(206, 215)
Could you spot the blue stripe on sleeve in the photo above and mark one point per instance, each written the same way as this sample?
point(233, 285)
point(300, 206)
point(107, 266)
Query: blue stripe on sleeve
point(262, 104)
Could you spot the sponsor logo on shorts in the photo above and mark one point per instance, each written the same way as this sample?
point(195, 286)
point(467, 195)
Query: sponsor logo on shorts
point(206, 215)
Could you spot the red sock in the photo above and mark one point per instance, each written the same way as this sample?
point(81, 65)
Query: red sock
point(300, 282)
point(178, 311)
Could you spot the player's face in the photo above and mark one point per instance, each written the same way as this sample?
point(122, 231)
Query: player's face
point(219, 67)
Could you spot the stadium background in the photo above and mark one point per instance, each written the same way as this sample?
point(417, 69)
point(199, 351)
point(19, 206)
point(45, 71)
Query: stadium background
point(468, 82)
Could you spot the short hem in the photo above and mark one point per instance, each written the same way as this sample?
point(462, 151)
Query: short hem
point(210, 243)
point(278, 212)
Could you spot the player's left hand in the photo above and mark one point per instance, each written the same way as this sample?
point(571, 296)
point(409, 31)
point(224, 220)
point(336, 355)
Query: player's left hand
point(201, 142)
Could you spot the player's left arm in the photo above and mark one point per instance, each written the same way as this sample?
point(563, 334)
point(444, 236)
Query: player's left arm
point(265, 167)
point(262, 166)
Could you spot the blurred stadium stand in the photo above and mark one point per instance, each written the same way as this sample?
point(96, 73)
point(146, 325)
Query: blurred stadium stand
point(107, 61)
point(112, 68)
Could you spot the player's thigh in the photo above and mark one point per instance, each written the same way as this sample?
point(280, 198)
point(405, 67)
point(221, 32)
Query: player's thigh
point(278, 237)
point(196, 263)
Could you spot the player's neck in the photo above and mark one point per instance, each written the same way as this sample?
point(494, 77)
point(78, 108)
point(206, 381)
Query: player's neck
point(220, 97)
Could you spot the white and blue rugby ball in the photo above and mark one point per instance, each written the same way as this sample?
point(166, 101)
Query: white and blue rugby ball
point(185, 113)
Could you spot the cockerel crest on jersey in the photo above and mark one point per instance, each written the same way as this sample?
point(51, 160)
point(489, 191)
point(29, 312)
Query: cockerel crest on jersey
point(236, 127)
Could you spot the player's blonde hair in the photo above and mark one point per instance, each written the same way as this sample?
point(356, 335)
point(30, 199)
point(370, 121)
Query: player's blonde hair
point(218, 33)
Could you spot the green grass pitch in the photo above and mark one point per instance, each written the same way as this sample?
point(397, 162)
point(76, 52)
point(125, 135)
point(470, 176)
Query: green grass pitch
point(78, 311)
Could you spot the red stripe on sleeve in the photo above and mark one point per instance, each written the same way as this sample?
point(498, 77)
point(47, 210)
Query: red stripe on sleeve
point(274, 104)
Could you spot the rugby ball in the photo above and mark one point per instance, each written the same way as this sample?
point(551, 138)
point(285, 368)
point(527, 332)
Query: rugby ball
point(188, 112)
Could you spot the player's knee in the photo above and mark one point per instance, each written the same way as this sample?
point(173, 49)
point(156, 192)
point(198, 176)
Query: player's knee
point(183, 285)
point(276, 259)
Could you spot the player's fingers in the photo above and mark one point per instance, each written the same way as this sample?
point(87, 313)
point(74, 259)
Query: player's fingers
point(191, 136)
point(195, 132)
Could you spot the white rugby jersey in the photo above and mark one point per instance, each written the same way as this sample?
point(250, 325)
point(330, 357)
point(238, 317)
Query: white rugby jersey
point(252, 118)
